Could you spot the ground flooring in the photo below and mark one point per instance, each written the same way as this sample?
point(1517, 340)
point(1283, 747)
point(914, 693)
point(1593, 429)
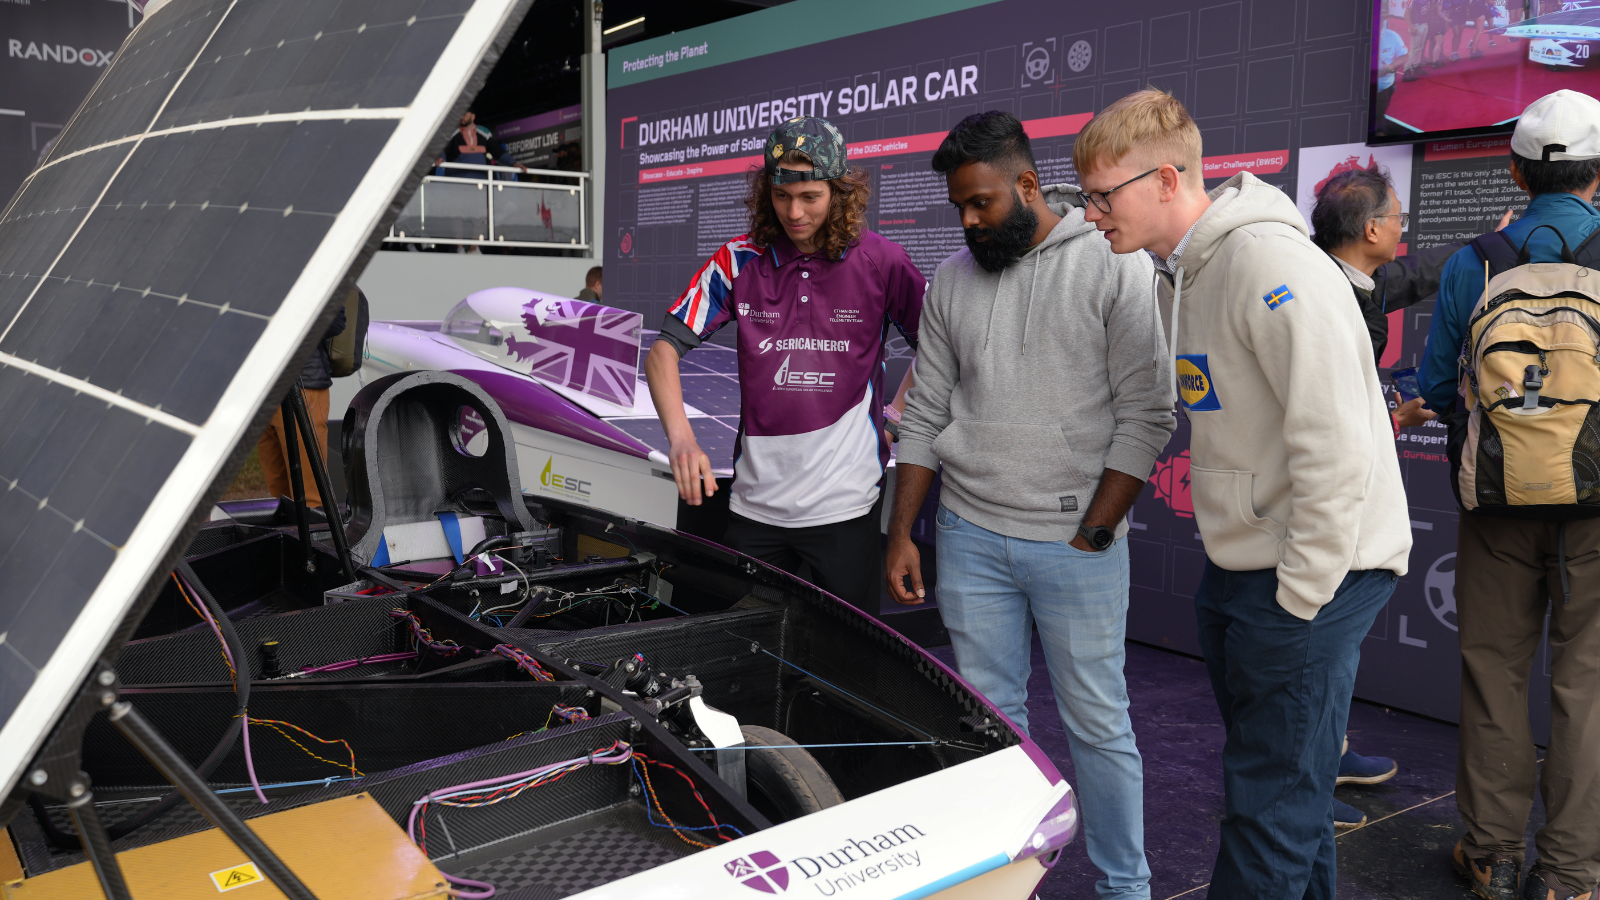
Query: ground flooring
point(1402, 851)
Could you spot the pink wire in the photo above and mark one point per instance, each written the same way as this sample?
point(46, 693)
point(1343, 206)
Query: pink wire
point(488, 891)
point(244, 728)
point(361, 661)
point(249, 764)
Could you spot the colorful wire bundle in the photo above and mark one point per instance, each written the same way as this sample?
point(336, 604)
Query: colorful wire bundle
point(423, 636)
point(490, 791)
point(524, 662)
point(642, 772)
point(569, 714)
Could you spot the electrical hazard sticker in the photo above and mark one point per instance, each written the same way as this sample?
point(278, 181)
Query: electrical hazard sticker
point(233, 877)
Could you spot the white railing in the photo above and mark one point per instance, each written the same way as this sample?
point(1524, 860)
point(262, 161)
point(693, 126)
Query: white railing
point(486, 205)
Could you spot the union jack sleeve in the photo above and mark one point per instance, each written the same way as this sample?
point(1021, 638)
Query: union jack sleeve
point(706, 305)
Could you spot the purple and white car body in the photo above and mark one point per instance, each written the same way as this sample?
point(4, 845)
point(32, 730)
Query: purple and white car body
point(559, 368)
point(986, 828)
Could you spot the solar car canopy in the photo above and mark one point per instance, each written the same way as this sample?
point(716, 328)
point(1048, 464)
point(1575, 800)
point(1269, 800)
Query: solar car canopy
point(164, 267)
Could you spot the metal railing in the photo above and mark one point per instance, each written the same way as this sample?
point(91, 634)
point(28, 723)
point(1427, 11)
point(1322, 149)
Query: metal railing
point(487, 205)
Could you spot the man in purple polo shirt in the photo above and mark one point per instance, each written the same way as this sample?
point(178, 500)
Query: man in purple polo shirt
point(815, 296)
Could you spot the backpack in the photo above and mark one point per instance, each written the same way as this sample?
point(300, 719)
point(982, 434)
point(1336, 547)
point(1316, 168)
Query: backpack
point(347, 348)
point(1528, 444)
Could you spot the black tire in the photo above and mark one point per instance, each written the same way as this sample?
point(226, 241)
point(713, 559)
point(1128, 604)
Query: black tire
point(785, 784)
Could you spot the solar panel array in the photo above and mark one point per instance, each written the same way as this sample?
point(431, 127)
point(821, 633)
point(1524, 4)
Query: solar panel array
point(166, 265)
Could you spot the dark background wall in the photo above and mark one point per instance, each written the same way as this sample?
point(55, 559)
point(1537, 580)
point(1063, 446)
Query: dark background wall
point(45, 72)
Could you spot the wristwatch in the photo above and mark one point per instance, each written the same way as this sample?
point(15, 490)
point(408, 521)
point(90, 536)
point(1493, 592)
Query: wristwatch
point(1098, 536)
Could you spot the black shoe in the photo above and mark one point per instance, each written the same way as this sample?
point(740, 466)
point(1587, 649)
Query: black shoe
point(1493, 878)
point(1542, 884)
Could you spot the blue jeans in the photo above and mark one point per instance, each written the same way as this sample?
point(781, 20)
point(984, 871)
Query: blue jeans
point(991, 591)
point(1283, 685)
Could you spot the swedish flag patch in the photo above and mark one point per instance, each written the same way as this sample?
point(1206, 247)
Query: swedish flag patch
point(1279, 296)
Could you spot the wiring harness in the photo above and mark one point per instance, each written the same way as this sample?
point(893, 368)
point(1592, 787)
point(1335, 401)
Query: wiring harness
point(490, 791)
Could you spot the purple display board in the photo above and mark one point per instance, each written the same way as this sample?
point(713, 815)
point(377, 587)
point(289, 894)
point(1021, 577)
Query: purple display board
point(1278, 87)
point(54, 53)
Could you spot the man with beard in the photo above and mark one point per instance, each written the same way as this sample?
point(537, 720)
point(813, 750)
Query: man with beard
point(1042, 387)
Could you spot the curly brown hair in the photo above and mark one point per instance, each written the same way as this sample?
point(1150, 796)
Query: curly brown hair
point(847, 210)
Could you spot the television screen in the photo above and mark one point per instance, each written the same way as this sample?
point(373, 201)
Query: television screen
point(1455, 68)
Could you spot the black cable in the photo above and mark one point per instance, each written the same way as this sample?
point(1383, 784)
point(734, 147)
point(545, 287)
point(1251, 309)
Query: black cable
point(243, 673)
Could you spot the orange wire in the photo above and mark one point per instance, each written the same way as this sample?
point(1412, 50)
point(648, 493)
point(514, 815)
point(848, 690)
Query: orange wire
point(185, 595)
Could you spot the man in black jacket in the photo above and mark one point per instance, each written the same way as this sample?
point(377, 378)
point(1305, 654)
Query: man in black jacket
point(1358, 222)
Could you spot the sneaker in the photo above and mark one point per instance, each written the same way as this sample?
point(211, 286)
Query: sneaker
point(1346, 817)
point(1455, 57)
point(1476, 53)
point(1357, 769)
point(1411, 75)
point(1494, 878)
point(1542, 884)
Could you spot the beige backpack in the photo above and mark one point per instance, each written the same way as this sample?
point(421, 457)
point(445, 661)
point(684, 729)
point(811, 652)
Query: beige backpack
point(1530, 375)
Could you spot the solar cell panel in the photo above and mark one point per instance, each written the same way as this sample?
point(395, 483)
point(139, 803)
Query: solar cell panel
point(167, 265)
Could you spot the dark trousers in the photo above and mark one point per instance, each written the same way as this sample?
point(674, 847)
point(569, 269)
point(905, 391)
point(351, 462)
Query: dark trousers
point(843, 558)
point(1507, 578)
point(1381, 109)
point(1283, 685)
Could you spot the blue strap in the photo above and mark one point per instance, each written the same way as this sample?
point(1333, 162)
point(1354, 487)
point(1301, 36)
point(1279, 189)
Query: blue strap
point(452, 533)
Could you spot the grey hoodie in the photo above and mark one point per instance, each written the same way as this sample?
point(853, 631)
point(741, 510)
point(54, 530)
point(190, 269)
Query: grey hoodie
point(1032, 381)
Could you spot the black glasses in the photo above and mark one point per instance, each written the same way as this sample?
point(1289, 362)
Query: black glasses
point(1405, 219)
point(1102, 199)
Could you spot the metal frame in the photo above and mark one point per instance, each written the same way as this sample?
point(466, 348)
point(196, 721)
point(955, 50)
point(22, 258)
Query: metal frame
point(580, 188)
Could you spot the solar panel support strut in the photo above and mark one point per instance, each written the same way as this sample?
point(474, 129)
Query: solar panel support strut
point(97, 843)
point(319, 472)
point(149, 742)
point(297, 482)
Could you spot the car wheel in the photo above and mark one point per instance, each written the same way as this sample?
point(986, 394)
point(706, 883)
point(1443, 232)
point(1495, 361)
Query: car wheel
point(785, 784)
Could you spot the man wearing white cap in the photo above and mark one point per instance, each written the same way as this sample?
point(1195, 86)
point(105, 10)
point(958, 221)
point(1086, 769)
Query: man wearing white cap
point(1508, 572)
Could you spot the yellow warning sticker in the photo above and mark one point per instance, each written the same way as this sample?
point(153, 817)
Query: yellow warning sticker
point(233, 877)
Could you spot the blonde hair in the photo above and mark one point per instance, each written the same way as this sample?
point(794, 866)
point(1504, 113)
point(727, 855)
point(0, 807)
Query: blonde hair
point(1150, 125)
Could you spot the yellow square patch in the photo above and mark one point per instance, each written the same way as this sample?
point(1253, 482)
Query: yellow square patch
point(234, 877)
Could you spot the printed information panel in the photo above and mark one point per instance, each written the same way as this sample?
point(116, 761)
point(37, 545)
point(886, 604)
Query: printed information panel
point(1278, 89)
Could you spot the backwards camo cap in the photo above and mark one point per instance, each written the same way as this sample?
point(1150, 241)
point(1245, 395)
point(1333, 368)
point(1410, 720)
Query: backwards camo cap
point(814, 137)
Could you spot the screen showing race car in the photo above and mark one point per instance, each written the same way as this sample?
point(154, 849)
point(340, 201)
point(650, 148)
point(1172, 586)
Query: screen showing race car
point(1453, 68)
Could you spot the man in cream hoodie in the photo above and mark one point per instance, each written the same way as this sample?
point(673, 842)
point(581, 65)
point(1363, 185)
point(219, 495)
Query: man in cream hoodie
point(1294, 478)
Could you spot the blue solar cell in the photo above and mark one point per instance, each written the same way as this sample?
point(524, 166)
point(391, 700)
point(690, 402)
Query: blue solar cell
point(173, 235)
point(716, 395)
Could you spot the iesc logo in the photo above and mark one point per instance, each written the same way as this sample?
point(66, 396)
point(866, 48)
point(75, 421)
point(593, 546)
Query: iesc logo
point(566, 484)
point(801, 380)
point(60, 53)
point(761, 871)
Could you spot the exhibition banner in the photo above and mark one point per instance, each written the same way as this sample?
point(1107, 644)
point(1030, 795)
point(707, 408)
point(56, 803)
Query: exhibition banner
point(1278, 89)
point(55, 51)
point(550, 140)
